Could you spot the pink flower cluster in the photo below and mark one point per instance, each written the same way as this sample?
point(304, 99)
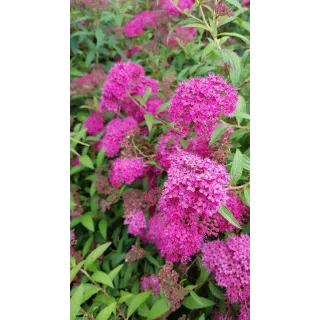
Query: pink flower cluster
point(87, 83)
point(94, 123)
point(126, 170)
point(229, 262)
point(136, 223)
point(185, 35)
point(201, 101)
point(134, 50)
point(195, 189)
point(143, 20)
point(182, 4)
point(115, 133)
point(150, 283)
point(125, 79)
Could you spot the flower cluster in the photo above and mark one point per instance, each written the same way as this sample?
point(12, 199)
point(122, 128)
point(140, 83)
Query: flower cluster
point(180, 34)
point(134, 254)
point(124, 80)
point(94, 123)
point(150, 283)
point(182, 4)
point(229, 263)
point(143, 20)
point(115, 133)
point(126, 171)
point(136, 223)
point(88, 82)
point(200, 101)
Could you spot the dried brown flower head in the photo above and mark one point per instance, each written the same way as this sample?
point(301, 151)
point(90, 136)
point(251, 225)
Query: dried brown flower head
point(223, 10)
point(103, 185)
point(134, 254)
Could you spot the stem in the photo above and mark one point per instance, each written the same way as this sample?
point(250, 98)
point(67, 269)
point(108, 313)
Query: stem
point(234, 125)
point(238, 187)
point(87, 314)
point(134, 145)
point(186, 14)
point(189, 267)
point(75, 140)
point(102, 290)
point(242, 84)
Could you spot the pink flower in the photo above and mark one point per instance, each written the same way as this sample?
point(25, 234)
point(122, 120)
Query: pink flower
point(182, 4)
point(201, 101)
point(246, 3)
point(143, 20)
point(115, 132)
point(229, 263)
point(94, 123)
point(125, 79)
point(150, 283)
point(75, 162)
point(126, 171)
point(136, 223)
point(185, 35)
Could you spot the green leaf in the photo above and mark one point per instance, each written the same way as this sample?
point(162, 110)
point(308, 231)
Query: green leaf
point(237, 167)
point(90, 57)
point(151, 259)
point(215, 291)
point(103, 226)
point(81, 33)
point(87, 222)
point(163, 107)
point(234, 61)
point(100, 36)
point(237, 35)
point(100, 157)
point(239, 133)
point(75, 270)
point(146, 95)
point(87, 246)
point(184, 143)
point(93, 189)
point(155, 163)
point(209, 48)
point(197, 25)
point(241, 114)
point(76, 169)
point(93, 256)
point(113, 273)
point(143, 310)
point(149, 120)
point(224, 211)
point(246, 193)
point(137, 301)
point(88, 291)
point(124, 296)
point(106, 312)
point(226, 20)
point(241, 107)
point(217, 133)
point(158, 309)
point(86, 161)
point(195, 302)
point(102, 277)
point(246, 162)
point(75, 302)
point(236, 3)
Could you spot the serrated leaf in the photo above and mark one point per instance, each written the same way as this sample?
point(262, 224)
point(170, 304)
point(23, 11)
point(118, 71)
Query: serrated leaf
point(113, 273)
point(158, 309)
point(102, 277)
point(246, 193)
point(86, 161)
point(103, 227)
point(75, 302)
point(106, 312)
point(149, 120)
point(143, 310)
point(87, 221)
point(238, 133)
point(137, 301)
point(100, 157)
point(224, 211)
point(216, 292)
point(234, 61)
point(217, 133)
point(207, 50)
point(195, 302)
point(90, 57)
point(95, 254)
point(246, 162)
point(236, 3)
point(75, 270)
point(236, 168)
point(241, 114)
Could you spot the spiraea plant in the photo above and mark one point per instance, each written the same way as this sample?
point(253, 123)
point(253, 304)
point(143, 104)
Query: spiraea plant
point(160, 159)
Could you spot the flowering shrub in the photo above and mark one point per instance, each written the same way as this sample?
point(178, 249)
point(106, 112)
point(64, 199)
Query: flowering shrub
point(160, 160)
